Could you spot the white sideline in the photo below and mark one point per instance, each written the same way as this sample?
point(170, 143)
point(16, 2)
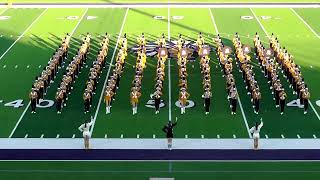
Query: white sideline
point(240, 104)
point(134, 143)
point(23, 34)
point(265, 31)
point(27, 107)
point(106, 80)
point(181, 5)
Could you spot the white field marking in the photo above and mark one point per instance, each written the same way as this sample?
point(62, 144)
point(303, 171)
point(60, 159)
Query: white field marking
point(282, 136)
point(202, 136)
point(3, 11)
point(169, 67)
point(314, 136)
point(138, 136)
point(28, 66)
point(73, 136)
point(1, 101)
point(298, 136)
point(106, 136)
point(154, 136)
point(305, 23)
point(166, 5)
point(4, 66)
point(39, 66)
point(16, 66)
point(41, 135)
point(28, 28)
point(218, 136)
point(241, 108)
point(234, 136)
point(25, 110)
point(314, 110)
point(106, 79)
point(26, 136)
point(213, 21)
point(186, 136)
point(267, 137)
point(58, 135)
point(262, 27)
point(121, 136)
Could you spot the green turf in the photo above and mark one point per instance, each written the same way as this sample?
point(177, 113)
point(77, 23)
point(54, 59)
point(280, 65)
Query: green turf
point(144, 170)
point(46, 34)
point(308, 15)
point(66, 124)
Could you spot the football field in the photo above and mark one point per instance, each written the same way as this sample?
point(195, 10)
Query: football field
point(30, 36)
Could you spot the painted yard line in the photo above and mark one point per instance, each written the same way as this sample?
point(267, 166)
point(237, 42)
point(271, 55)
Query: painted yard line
point(298, 136)
point(305, 23)
point(169, 68)
point(262, 27)
point(314, 110)
point(166, 5)
point(28, 28)
point(3, 11)
point(74, 30)
point(314, 32)
point(214, 22)
point(106, 79)
point(25, 110)
point(240, 104)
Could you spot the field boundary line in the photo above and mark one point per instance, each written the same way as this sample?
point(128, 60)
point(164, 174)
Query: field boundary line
point(25, 110)
point(265, 31)
point(25, 31)
point(305, 23)
point(155, 160)
point(110, 65)
point(169, 68)
point(240, 104)
point(165, 5)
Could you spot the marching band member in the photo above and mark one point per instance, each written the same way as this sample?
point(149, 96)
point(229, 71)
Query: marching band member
point(85, 129)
